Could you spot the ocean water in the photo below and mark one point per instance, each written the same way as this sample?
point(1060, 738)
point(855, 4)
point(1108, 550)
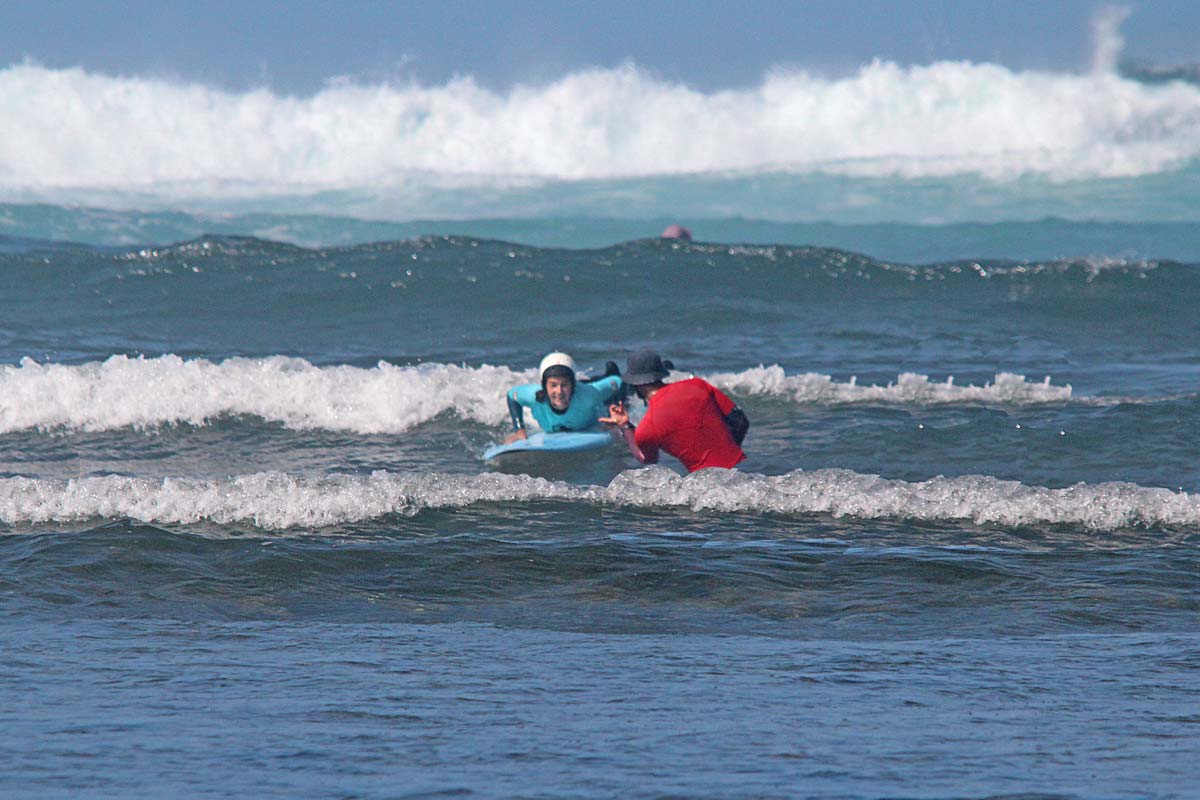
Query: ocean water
point(242, 484)
point(248, 544)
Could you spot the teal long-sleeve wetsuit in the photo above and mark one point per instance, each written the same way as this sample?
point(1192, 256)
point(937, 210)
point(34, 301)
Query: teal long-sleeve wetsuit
point(588, 403)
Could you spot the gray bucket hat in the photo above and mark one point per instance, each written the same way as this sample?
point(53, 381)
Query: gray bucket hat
point(644, 367)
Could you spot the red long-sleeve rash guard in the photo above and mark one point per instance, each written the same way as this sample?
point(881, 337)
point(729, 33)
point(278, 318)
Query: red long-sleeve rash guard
point(687, 420)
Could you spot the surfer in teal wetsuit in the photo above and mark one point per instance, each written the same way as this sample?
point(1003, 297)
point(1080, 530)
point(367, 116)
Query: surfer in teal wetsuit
point(560, 402)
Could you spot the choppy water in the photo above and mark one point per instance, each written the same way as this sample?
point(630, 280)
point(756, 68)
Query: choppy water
point(249, 546)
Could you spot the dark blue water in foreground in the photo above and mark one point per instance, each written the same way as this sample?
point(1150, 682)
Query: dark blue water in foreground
point(312, 709)
point(248, 545)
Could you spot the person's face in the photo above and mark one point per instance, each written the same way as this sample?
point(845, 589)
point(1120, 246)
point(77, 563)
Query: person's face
point(558, 391)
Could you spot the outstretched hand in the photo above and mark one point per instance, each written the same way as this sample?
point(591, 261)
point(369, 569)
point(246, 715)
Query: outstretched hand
point(617, 415)
point(514, 436)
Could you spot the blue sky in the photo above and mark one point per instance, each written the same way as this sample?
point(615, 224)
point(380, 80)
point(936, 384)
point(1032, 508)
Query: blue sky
point(295, 47)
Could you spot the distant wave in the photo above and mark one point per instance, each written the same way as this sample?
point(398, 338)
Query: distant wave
point(124, 392)
point(71, 129)
point(276, 501)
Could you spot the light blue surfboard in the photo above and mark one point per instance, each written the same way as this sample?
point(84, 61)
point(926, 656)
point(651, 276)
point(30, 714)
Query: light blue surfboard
point(573, 442)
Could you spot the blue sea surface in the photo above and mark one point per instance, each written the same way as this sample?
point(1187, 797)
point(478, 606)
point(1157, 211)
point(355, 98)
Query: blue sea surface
point(140, 708)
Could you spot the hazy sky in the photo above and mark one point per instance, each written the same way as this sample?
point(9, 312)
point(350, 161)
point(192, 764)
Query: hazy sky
point(296, 47)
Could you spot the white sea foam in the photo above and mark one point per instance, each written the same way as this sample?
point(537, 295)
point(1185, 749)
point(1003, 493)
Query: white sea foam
point(275, 501)
point(124, 392)
point(68, 129)
point(909, 389)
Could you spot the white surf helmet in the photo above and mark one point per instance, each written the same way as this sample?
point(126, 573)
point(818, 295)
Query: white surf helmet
point(556, 359)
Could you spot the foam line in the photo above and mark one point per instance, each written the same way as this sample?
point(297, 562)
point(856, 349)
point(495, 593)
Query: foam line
point(141, 393)
point(908, 389)
point(123, 392)
point(276, 501)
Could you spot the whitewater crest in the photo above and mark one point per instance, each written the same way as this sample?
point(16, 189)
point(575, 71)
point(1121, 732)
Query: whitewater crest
point(909, 389)
point(144, 393)
point(123, 392)
point(276, 501)
point(936, 120)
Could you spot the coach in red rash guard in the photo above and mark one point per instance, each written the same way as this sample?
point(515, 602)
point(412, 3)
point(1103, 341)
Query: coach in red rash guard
point(691, 420)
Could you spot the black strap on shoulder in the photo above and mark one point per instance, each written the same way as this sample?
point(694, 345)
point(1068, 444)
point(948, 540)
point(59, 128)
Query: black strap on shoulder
point(738, 424)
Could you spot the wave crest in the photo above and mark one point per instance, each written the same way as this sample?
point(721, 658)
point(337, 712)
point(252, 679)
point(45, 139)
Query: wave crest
point(123, 392)
point(72, 129)
point(275, 501)
point(909, 389)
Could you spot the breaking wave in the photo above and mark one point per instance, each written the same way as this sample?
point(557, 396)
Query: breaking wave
point(123, 392)
point(70, 129)
point(276, 501)
point(909, 389)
